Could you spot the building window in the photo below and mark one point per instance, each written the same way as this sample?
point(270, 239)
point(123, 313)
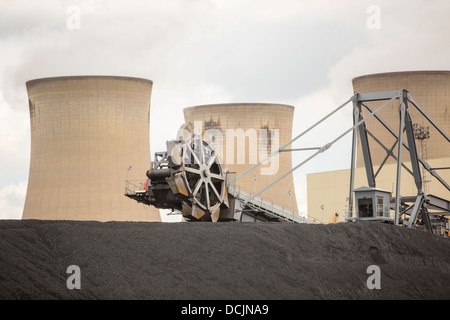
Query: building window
point(379, 206)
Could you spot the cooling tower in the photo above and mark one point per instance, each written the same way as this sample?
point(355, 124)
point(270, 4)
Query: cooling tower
point(88, 135)
point(430, 89)
point(261, 128)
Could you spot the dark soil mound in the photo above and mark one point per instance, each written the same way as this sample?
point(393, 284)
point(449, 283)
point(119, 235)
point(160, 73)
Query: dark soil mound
point(127, 260)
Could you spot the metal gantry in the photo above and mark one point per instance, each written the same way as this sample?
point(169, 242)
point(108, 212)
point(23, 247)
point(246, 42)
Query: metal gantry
point(422, 201)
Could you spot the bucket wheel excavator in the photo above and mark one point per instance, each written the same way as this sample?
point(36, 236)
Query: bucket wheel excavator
point(188, 177)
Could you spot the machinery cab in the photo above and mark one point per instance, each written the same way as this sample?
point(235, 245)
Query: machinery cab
point(372, 204)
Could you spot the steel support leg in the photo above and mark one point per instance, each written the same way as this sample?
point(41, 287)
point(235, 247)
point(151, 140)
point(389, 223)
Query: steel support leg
point(413, 152)
point(426, 219)
point(353, 163)
point(366, 150)
point(399, 160)
point(418, 206)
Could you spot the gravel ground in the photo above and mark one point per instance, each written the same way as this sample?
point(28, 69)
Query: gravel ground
point(211, 261)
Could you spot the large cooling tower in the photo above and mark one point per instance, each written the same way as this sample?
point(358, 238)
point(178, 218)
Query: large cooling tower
point(431, 90)
point(88, 135)
point(253, 120)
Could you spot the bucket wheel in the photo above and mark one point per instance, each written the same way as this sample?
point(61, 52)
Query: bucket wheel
point(202, 177)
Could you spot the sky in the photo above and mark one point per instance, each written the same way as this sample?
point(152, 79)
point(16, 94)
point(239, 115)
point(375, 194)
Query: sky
point(298, 52)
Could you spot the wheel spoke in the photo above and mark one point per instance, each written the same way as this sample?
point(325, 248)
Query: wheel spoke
point(211, 160)
point(216, 176)
point(196, 159)
point(213, 187)
point(197, 187)
point(202, 150)
point(207, 196)
point(192, 170)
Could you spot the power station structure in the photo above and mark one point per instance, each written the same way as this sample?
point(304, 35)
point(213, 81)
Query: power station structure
point(425, 118)
point(190, 177)
point(245, 133)
point(88, 135)
point(91, 133)
point(223, 164)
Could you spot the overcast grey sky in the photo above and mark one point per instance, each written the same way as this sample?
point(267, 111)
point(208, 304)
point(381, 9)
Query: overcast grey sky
point(298, 52)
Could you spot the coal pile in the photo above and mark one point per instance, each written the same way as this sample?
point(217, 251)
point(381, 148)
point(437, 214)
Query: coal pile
point(231, 261)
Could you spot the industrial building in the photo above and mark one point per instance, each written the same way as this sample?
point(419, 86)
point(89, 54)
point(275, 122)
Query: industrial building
point(328, 192)
point(89, 134)
point(244, 134)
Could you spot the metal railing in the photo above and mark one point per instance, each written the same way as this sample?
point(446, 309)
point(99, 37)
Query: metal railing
point(267, 205)
point(131, 186)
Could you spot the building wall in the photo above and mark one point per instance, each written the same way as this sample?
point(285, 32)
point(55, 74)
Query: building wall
point(85, 132)
point(328, 189)
point(431, 90)
point(253, 117)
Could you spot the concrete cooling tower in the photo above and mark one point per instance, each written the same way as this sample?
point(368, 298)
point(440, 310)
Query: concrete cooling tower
point(245, 133)
point(88, 135)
